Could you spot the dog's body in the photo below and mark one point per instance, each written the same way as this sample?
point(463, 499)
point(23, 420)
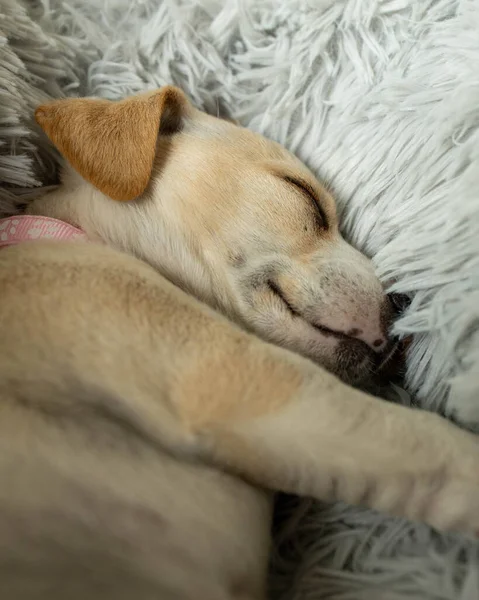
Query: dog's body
point(140, 427)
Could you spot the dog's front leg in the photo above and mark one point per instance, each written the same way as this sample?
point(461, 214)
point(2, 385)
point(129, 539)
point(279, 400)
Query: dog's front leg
point(191, 381)
point(330, 441)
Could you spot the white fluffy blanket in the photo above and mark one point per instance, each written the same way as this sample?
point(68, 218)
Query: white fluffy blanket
point(381, 100)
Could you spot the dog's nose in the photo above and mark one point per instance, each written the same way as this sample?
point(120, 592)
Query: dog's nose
point(399, 303)
point(374, 332)
point(374, 339)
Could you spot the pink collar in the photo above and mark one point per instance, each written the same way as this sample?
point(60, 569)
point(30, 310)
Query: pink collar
point(23, 228)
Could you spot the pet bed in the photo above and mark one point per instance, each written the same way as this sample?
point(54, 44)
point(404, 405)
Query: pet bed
point(381, 99)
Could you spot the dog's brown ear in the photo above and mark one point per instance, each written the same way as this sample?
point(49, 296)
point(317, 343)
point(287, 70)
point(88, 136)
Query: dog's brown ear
point(113, 144)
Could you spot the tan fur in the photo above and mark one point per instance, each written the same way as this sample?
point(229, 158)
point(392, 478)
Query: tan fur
point(113, 145)
point(139, 426)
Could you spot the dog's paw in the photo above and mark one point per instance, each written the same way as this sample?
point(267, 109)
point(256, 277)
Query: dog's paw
point(455, 506)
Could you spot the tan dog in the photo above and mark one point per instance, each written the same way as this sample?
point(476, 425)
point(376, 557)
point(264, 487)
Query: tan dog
point(125, 401)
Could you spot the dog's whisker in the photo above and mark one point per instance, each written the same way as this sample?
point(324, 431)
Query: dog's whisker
point(386, 358)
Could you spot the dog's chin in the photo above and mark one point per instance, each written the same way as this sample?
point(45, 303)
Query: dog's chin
point(350, 360)
point(353, 362)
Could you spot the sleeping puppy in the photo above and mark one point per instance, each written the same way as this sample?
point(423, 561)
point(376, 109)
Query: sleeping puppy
point(145, 415)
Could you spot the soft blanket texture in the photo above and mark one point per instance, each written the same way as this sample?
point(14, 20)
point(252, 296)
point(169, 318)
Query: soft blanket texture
point(381, 100)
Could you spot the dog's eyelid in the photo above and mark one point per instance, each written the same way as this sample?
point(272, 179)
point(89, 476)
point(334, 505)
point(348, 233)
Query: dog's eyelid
point(306, 189)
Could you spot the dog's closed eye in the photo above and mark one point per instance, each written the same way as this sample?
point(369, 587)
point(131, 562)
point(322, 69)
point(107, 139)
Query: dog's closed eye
point(312, 197)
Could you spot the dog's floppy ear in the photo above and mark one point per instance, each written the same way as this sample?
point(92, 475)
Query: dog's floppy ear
point(113, 144)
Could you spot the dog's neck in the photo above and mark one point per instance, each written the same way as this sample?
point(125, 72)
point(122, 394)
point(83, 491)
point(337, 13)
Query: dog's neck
point(134, 229)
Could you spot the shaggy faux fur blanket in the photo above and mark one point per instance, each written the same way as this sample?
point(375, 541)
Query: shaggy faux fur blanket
point(381, 99)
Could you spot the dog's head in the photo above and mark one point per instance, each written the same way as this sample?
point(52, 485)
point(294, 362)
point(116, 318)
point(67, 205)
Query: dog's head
point(227, 215)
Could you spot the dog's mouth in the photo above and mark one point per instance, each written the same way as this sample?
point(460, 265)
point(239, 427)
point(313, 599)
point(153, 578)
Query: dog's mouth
point(355, 360)
point(323, 329)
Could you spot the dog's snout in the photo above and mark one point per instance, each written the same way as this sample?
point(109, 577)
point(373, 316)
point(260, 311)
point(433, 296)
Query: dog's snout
point(373, 337)
point(374, 329)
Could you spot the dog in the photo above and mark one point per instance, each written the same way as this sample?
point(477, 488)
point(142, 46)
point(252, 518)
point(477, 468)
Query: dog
point(187, 355)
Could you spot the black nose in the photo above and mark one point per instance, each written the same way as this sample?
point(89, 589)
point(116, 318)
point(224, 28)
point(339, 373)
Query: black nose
point(399, 303)
point(393, 307)
point(390, 364)
point(387, 315)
